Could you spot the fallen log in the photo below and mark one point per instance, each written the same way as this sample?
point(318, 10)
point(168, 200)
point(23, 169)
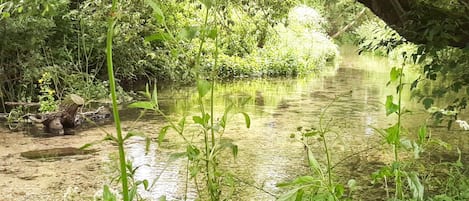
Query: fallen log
point(26, 104)
point(56, 152)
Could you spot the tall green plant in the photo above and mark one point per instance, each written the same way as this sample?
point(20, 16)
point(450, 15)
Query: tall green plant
point(112, 85)
point(394, 136)
point(204, 160)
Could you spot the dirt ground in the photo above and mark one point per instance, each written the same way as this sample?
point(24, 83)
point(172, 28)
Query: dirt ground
point(78, 177)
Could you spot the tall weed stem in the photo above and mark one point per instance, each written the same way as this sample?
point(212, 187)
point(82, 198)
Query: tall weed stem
point(399, 193)
point(112, 86)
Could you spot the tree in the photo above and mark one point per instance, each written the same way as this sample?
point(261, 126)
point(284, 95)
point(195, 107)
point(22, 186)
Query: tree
point(431, 22)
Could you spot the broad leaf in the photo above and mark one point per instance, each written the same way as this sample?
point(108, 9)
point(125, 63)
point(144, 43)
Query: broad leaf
point(201, 120)
point(203, 87)
point(394, 74)
point(390, 106)
point(392, 134)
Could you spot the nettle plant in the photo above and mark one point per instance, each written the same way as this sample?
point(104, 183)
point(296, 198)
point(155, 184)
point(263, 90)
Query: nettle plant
point(395, 136)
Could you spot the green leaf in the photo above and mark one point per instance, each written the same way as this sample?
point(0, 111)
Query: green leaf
point(110, 138)
point(158, 37)
point(212, 33)
point(392, 134)
point(162, 198)
point(143, 105)
point(394, 74)
point(313, 163)
point(390, 106)
point(189, 33)
point(108, 195)
point(201, 120)
point(234, 150)
point(427, 102)
point(203, 87)
point(133, 192)
point(198, 120)
point(290, 195)
point(162, 134)
point(133, 133)
point(192, 152)
point(339, 190)
point(5, 15)
point(157, 12)
point(145, 184)
point(415, 186)
point(302, 180)
point(85, 146)
point(247, 119)
point(467, 89)
point(422, 134)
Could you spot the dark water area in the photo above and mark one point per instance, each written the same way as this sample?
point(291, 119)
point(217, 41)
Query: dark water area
point(277, 107)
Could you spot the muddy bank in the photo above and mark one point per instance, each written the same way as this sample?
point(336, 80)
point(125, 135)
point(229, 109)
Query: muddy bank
point(76, 177)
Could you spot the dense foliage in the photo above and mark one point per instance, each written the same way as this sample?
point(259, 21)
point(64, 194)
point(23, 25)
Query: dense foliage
point(51, 48)
point(443, 86)
point(66, 39)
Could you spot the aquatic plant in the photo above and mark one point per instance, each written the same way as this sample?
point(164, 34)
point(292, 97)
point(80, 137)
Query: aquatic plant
point(322, 186)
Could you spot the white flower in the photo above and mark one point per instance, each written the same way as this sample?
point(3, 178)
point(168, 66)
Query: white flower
point(463, 124)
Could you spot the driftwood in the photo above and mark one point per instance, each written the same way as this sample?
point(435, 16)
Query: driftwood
point(55, 152)
point(62, 120)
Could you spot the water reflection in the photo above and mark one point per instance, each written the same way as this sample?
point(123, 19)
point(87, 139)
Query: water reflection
point(267, 155)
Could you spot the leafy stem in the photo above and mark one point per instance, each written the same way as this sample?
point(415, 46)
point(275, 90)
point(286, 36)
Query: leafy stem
point(112, 84)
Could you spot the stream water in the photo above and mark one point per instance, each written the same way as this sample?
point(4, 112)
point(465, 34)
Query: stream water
point(267, 153)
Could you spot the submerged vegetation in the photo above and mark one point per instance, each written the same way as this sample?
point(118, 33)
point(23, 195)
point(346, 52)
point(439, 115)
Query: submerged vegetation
point(50, 49)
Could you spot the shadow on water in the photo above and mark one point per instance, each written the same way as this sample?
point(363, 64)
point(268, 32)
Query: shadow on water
point(267, 154)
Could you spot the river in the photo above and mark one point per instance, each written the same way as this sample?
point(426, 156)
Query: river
point(268, 154)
